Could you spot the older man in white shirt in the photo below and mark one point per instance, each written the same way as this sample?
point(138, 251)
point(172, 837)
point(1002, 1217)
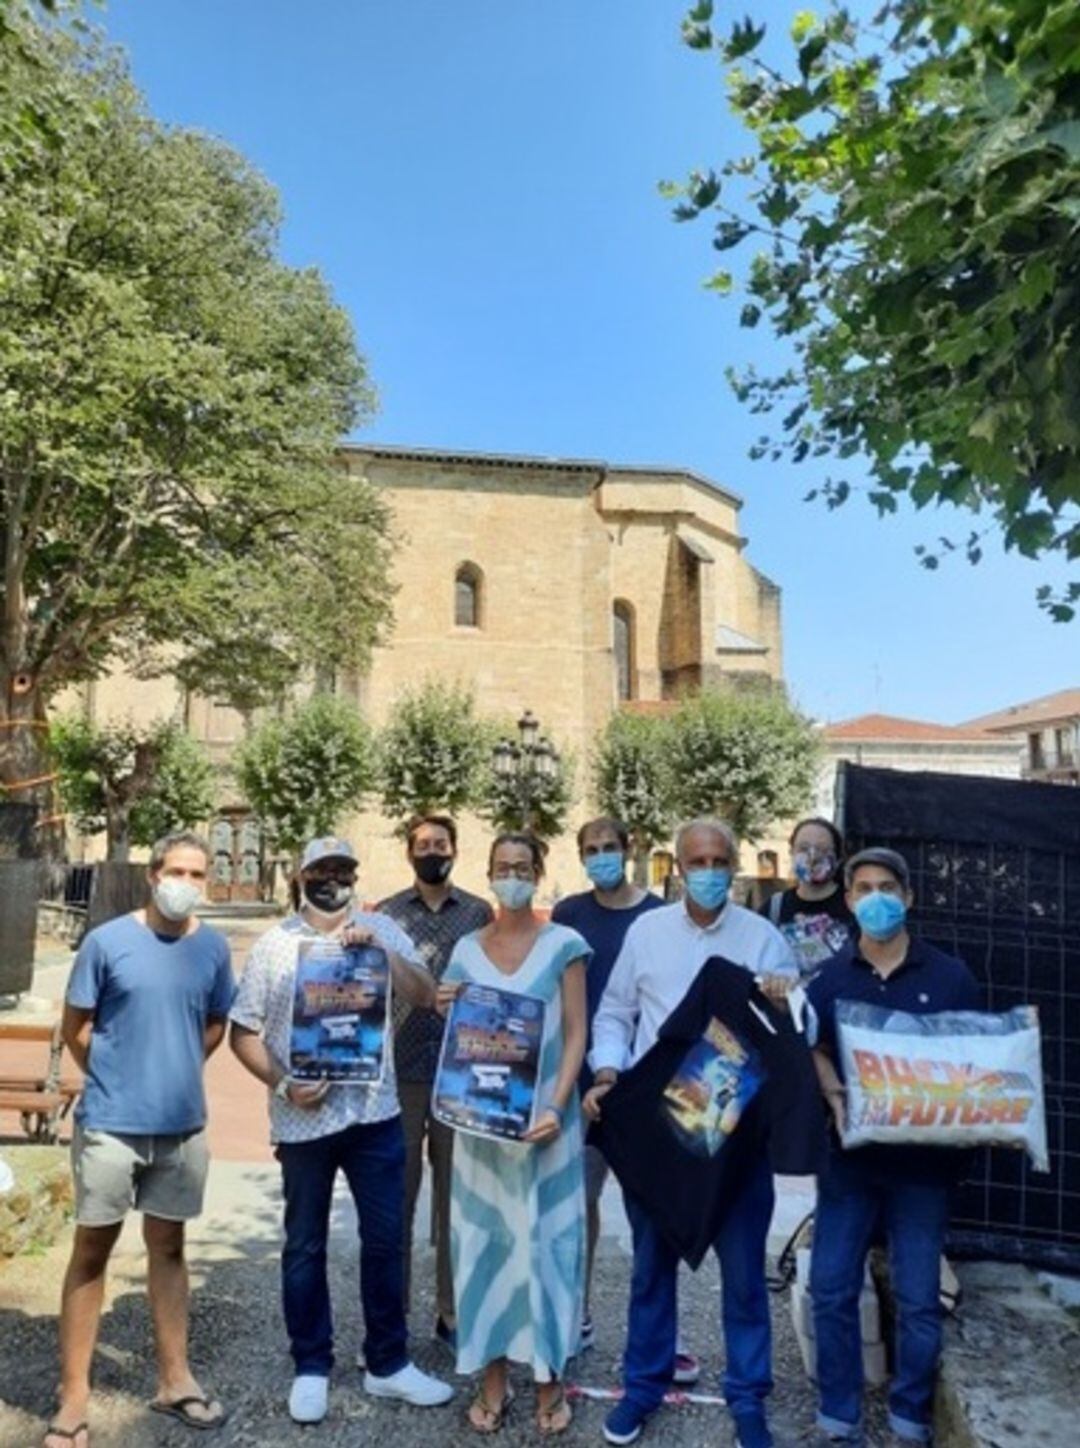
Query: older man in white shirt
point(663, 953)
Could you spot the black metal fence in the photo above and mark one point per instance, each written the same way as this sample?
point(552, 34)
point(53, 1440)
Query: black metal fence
point(996, 875)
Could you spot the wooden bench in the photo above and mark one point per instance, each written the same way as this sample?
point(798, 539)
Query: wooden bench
point(42, 1097)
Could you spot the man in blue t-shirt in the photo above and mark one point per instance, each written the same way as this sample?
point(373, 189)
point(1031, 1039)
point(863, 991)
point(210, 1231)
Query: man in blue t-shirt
point(146, 1004)
point(602, 915)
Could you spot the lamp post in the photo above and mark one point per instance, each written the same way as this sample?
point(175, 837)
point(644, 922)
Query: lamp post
point(524, 764)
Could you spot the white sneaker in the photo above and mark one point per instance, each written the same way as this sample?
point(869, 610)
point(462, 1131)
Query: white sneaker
point(410, 1385)
point(309, 1399)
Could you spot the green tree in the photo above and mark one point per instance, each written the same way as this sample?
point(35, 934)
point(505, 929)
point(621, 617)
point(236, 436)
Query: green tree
point(746, 756)
point(172, 397)
point(301, 773)
point(632, 780)
point(134, 783)
point(913, 189)
point(434, 752)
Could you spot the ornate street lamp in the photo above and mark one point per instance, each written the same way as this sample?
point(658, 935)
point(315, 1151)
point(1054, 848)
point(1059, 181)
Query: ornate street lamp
point(524, 763)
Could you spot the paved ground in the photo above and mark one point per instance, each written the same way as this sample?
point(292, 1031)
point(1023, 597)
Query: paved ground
point(238, 1344)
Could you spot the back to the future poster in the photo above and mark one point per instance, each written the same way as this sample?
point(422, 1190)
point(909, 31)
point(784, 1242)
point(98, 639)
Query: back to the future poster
point(340, 1013)
point(486, 1081)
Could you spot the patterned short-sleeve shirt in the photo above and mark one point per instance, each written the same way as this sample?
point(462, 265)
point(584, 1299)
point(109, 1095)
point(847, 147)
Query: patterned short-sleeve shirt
point(418, 1032)
point(264, 1003)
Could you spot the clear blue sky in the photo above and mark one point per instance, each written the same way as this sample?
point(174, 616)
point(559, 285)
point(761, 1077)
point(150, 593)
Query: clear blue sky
point(478, 182)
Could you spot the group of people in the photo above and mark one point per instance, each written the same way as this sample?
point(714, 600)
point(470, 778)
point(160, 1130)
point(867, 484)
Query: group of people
point(516, 1223)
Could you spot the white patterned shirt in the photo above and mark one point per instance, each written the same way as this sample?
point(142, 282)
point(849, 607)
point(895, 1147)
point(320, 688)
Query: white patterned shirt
point(264, 1003)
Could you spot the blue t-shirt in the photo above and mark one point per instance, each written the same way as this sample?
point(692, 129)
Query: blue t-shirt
point(151, 996)
point(605, 930)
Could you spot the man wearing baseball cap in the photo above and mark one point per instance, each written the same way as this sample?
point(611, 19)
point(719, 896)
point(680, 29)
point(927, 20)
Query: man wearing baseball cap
point(905, 1189)
point(321, 1127)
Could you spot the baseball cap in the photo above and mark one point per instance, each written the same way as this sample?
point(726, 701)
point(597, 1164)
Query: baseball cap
point(327, 847)
point(890, 860)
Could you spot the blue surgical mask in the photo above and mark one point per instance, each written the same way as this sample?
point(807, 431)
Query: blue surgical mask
point(881, 915)
point(514, 894)
point(708, 888)
point(607, 870)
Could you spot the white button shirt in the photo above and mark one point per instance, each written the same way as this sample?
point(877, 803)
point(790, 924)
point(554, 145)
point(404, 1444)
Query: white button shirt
point(661, 956)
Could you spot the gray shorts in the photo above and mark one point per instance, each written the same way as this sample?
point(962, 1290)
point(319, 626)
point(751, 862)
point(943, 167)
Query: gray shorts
point(164, 1176)
point(596, 1170)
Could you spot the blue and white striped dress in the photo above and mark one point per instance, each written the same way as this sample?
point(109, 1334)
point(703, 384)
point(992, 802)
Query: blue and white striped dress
point(517, 1213)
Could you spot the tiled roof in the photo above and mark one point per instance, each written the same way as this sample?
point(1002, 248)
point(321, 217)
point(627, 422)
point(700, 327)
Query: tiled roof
point(1065, 704)
point(888, 727)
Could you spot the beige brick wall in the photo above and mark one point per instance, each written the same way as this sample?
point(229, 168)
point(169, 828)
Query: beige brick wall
point(556, 545)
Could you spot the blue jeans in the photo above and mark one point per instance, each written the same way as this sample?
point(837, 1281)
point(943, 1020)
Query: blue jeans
point(649, 1360)
point(851, 1203)
point(373, 1160)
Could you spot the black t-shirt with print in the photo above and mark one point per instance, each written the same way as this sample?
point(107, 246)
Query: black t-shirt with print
point(815, 929)
point(728, 1079)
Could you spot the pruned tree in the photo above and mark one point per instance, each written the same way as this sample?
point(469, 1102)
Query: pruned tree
point(746, 756)
point(632, 780)
point(134, 783)
point(434, 752)
point(912, 192)
point(172, 397)
point(303, 772)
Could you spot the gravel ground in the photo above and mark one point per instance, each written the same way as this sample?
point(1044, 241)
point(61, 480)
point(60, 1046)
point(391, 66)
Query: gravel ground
point(238, 1350)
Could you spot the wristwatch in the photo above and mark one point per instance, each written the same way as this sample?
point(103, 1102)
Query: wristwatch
point(281, 1086)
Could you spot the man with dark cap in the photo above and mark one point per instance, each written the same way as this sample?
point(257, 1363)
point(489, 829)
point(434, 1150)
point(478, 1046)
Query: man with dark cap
point(904, 1189)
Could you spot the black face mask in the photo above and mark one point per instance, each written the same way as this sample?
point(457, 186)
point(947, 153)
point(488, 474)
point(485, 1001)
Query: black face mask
point(433, 869)
point(327, 896)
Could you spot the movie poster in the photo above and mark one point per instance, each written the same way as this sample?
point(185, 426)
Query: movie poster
point(705, 1099)
point(486, 1081)
point(340, 1012)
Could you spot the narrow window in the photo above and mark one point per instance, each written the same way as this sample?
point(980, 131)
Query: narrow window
point(622, 620)
point(467, 596)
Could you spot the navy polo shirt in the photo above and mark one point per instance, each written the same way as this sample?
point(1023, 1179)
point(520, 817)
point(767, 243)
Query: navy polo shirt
point(928, 981)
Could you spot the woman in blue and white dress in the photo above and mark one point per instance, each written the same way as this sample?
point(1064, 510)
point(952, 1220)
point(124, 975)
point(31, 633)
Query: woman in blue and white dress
point(518, 1208)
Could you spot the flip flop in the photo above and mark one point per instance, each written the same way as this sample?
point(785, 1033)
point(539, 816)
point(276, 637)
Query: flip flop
point(179, 1409)
point(549, 1410)
point(52, 1431)
point(497, 1415)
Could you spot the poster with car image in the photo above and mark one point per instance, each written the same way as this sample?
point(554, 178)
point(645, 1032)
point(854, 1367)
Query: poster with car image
point(341, 1006)
point(489, 1063)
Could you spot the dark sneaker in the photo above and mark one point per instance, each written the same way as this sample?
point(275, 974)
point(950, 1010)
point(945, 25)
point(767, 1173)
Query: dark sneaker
point(446, 1334)
point(625, 1422)
point(752, 1430)
point(687, 1370)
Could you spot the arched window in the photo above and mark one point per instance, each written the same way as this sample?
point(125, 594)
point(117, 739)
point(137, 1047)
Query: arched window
point(468, 582)
point(622, 621)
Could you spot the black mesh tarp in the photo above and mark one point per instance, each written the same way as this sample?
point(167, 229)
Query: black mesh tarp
point(996, 874)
